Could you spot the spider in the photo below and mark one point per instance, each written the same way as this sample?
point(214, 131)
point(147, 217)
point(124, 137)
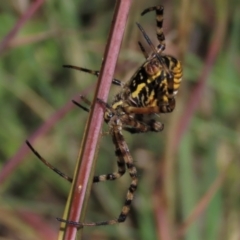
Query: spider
point(124, 159)
point(151, 90)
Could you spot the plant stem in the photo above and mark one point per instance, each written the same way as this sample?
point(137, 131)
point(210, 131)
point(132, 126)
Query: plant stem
point(80, 191)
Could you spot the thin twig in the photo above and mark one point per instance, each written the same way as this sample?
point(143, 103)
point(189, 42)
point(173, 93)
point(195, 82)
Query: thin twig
point(192, 104)
point(16, 160)
point(42, 229)
point(197, 93)
point(165, 189)
point(80, 191)
point(28, 14)
point(202, 204)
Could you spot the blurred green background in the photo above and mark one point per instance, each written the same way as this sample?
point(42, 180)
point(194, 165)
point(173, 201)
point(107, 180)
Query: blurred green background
point(192, 166)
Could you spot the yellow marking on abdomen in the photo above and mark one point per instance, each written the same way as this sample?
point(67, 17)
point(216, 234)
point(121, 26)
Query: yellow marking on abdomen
point(139, 88)
point(116, 104)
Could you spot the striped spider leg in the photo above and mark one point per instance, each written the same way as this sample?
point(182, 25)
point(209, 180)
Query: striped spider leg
point(100, 178)
point(124, 159)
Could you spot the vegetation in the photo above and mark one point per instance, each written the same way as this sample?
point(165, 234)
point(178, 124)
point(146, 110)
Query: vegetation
point(189, 174)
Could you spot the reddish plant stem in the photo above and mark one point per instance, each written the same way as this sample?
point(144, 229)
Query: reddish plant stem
point(193, 102)
point(187, 115)
point(16, 160)
point(40, 226)
point(202, 205)
point(197, 92)
point(28, 14)
point(163, 223)
point(80, 188)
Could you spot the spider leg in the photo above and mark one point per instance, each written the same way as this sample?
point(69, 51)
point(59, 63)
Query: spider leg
point(96, 73)
point(145, 126)
point(143, 50)
point(120, 164)
point(61, 174)
point(136, 124)
point(123, 153)
point(81, 106)
point(84, 99)
point(132, 124)
point(100, 178)
point(104, 104)
point(159, 22)
point(161, 108)
point(155, 53)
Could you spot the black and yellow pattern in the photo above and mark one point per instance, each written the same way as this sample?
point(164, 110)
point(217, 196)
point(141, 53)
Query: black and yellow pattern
point(153, 87)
